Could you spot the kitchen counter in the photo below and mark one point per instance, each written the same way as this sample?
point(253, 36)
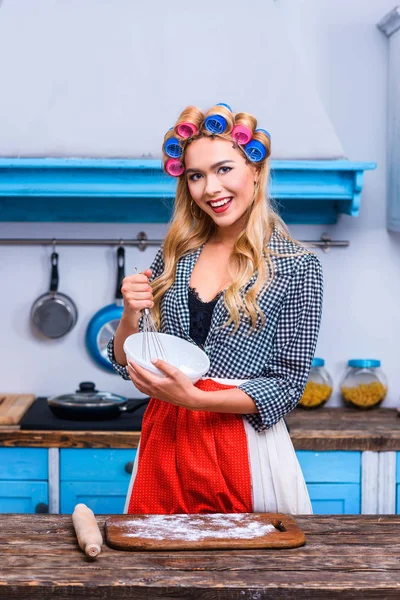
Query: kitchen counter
point(344, 557)
point(321, 429)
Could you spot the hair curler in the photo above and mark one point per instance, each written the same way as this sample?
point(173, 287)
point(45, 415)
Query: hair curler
point(172, 147)
point(263, 131)
point(223, 104)
point(186, 130)
point(242, 134)
point(174, 167)
point(255, 151)
point(216, 123)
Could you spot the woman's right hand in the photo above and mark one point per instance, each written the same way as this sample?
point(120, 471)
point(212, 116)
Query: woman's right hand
point(137, 293)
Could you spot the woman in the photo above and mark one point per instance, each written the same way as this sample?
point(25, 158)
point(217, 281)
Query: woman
point(231, 279)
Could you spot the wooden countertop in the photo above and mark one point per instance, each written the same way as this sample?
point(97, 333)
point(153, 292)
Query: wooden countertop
point(321, 429)
point(344, 557)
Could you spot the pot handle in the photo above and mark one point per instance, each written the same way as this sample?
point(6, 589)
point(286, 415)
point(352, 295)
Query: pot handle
point(87, 387)
point(54, 272)
point(120, 272)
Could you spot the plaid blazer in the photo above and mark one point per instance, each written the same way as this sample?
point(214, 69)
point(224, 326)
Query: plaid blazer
point(276, 358)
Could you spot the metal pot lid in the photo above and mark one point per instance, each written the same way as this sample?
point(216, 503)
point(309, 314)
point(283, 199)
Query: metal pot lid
point(87, 396)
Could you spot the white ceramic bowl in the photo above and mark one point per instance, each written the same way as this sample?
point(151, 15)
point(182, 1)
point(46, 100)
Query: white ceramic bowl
point(182, 354)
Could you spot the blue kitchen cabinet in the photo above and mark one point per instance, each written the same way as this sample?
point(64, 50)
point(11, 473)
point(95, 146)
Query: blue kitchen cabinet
point(333, 480)
point(105, 190)
point(24, 480)
point(98, 478)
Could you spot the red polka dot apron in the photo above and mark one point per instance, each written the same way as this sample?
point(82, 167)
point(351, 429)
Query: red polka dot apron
point(191, 461)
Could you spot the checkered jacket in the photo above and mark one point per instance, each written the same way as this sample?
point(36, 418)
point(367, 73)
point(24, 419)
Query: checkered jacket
point(276, 358)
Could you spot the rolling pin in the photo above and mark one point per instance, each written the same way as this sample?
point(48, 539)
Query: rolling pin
point(87, 531)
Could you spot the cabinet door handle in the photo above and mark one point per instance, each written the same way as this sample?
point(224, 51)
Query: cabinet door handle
point(42, 507)
point(129, 466)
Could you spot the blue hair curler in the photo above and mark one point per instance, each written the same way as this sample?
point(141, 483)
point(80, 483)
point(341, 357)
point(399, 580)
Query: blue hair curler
point(223, 104)
point(264, 131)
point(215, 124)
point(173, 148)
point(255, 150)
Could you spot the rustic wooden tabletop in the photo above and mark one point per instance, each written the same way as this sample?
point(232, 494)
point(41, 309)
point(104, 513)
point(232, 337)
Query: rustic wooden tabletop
point(344, 557)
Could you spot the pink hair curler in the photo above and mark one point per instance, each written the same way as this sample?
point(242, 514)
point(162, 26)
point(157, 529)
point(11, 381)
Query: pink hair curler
point(241, 134)
point(186, 130)
point(174, 167)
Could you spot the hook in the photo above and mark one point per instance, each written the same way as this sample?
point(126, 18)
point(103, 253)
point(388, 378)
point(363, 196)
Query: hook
point(142, 237)
point(327, 242)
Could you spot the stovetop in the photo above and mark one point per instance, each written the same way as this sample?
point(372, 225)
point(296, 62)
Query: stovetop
point(40, 417)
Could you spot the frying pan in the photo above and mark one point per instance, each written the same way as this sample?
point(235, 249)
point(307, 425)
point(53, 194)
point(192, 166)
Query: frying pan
point(104, 323)
point(54, 314)
point(88, 404)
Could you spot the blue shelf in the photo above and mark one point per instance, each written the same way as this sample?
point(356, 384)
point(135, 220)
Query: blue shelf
point(137, 190)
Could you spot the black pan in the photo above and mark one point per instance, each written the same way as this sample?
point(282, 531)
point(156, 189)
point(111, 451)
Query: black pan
point(88, 404)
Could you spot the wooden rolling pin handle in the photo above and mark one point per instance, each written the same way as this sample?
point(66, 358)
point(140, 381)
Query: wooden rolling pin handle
point(92, 550)
point(87, 530)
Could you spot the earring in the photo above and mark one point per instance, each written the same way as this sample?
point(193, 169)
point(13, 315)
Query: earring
point(192, 211)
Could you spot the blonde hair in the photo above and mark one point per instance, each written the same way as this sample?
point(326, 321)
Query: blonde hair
point(250, 253)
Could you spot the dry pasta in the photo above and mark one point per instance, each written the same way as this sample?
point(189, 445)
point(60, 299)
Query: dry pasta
point(365, 395)
point(315, 394)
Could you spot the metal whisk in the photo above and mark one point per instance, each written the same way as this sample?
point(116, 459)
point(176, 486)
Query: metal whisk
point(152, 346)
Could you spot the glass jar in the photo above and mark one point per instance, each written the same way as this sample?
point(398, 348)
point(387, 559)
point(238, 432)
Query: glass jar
point(364, 384)
point(318, 387)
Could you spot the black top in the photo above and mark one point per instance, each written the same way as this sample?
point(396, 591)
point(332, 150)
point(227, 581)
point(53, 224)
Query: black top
point(200, 315)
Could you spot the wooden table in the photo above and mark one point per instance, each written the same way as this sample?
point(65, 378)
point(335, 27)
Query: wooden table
point(344, 557)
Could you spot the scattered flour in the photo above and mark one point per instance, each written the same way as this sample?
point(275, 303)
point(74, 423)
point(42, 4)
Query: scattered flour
point(195, 527)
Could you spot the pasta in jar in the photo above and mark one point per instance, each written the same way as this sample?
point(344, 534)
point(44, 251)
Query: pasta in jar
point(318, 387)
point(364, 384)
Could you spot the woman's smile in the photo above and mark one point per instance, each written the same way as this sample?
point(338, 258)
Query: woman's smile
point(221, 204)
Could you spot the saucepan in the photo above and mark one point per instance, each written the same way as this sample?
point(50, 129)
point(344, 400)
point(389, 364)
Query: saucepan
point(89, 404)
point(54, 314)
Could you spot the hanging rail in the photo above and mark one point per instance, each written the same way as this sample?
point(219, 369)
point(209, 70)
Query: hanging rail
point(141, 241)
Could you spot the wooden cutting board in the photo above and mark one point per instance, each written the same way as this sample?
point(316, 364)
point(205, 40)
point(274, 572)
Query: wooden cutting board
point(233, 531)
point(13, 407)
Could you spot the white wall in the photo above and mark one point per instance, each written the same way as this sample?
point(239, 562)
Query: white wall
point(346, 57)
point(109, 78)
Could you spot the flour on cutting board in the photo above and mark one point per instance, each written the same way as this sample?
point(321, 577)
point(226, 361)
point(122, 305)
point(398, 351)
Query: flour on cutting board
point(185, 527)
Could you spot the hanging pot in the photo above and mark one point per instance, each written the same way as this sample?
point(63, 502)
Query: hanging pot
point(104, 323)
point(54, 314)
point(88, 404)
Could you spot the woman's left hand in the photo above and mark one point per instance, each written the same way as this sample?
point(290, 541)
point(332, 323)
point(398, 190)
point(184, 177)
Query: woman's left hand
point(176, 388)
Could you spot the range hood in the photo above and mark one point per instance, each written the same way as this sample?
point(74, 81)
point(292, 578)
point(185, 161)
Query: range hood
point(102, 82)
